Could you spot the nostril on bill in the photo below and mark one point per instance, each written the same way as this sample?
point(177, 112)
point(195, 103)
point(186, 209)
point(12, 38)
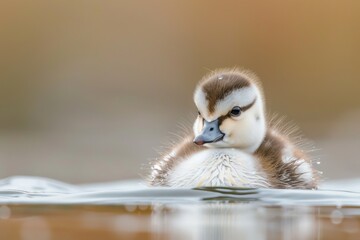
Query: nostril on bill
point(211, 129)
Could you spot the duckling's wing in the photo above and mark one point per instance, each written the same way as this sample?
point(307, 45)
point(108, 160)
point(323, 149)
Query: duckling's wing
point(287, 157)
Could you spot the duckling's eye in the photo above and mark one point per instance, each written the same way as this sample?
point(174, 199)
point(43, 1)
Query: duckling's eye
point(199, 113)
point(235, 112)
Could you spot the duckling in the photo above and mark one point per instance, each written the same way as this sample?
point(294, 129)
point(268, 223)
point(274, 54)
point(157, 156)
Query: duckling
point(233, 143)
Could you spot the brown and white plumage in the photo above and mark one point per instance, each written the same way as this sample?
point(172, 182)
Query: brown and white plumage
point(233, 143)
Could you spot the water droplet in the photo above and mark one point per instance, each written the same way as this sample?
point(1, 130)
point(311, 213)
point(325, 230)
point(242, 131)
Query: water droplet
point(336, 217)
point(220, 77)
point(318, 163)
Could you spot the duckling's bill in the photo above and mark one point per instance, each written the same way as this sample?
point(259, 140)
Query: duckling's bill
point(210, 133)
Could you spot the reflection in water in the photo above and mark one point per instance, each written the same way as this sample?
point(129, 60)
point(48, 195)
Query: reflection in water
point(35, 228)
point(37, 208)
point(210, 220)
point(236, 221)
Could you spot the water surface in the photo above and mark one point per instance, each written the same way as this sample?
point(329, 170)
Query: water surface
point(131, 210)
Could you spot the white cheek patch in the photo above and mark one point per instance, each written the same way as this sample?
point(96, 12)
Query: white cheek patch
point(240, 97)
point(226, 125)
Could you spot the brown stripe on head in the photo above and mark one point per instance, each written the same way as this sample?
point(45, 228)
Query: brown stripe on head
point(221, 83)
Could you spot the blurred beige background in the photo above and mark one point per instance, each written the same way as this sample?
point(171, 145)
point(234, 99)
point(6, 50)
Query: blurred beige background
point(89, 89)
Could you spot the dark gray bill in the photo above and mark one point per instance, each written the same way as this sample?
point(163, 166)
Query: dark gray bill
point(210, 133)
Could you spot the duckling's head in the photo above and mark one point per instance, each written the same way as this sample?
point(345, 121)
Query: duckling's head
point(231, 110)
